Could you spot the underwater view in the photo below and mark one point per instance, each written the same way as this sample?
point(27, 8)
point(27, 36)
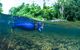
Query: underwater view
point(32, 27)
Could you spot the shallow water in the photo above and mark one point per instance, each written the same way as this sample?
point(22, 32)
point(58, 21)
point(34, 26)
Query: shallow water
point(45, 40)
point(54, 28)
point(48, 28)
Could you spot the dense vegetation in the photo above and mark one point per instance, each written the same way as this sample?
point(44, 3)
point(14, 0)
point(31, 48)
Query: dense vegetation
point(33, 11)
point(70, 8)
point(63, 9)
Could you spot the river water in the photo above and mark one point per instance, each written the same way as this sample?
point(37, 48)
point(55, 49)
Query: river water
point(48, 28)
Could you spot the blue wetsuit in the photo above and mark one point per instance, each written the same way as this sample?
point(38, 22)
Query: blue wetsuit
point(26, 24)
point(23, 23)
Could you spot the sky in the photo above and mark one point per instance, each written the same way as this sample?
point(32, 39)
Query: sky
point(7, 4)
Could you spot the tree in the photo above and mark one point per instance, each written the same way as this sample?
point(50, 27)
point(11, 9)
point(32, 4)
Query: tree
point(71, 9)
point(1, 8)
point(14, 10)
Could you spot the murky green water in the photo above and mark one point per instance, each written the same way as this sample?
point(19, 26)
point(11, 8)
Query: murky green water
point(40, 40)
point(48, 28)
point(60, 29)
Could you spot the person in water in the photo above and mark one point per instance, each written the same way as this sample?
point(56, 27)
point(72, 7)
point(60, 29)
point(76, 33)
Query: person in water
point(29, 25)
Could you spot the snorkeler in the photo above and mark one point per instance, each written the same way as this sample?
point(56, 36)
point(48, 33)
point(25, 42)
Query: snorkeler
point(26, 25)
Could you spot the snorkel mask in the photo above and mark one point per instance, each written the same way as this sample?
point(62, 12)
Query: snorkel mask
point(39, 26)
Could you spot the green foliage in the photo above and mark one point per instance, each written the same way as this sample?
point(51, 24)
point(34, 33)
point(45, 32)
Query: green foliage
point(71, 10)
point(57, 12)
point(63, 9)
point(1, 7)
point(35, 11)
